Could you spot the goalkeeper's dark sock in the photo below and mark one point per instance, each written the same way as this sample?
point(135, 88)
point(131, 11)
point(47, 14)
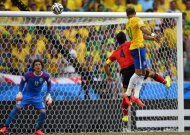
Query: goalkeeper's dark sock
point(11, 116)
point(41, 120)
point(159, 78)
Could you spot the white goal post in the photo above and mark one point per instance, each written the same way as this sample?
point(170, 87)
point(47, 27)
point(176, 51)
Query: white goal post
point(114, 15)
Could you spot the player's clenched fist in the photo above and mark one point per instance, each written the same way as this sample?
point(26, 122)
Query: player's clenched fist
point(19, 96)
point(48, 99)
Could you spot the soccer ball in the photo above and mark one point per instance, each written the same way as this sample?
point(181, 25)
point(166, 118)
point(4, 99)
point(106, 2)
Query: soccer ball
point(57, 8)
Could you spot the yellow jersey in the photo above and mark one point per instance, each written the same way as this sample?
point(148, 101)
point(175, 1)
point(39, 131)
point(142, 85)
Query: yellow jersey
point(170, 36)
point(134, 32)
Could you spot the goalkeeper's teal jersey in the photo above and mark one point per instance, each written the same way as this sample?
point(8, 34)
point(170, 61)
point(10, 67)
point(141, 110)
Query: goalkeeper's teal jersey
point(31, 85)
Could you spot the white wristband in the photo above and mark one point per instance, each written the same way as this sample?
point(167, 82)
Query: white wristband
point(153, 34)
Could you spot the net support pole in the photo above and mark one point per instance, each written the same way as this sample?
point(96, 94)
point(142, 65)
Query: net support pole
point(180, 74)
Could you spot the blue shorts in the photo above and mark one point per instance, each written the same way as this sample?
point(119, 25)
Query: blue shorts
point(139, 56)
point(36, 103)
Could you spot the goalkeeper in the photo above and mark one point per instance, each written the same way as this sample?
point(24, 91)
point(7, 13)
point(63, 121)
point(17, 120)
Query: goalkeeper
point(123, 56)
point(29, 94)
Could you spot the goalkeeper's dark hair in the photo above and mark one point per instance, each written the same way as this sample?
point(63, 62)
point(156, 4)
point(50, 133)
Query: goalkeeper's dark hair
point(37, 60)
point(121, 37)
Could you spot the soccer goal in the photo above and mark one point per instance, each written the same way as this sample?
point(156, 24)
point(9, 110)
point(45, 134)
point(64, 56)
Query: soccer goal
point(74, 47)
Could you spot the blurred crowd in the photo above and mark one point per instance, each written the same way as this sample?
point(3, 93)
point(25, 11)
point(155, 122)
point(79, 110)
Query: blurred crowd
point(92, 45)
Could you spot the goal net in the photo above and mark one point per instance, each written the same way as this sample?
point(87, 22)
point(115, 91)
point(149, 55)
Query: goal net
point(74, 48)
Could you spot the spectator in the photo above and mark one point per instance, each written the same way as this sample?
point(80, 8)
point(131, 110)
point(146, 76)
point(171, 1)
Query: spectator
point(181, 4)
point(118, 7)
point(83, 32)
point(68, 68)
point(170, 38)
point(173, 7)
point(32, 55)
point(98, 6)
point(40, 5)
point(109, 3)
point(48, 7)
point(40, 40)
point(54, 62)
point(18, 56)
point(2, 7)
point(187, 10)
point(26, 35)
point(9, 5)
point(73, 4)
point(5, 54)
point(80, 49)
point(86, 6)
point(138, 7)
point(163, 5)
point(155, 7)
point(64, 3)
point(70, 33)
point(33, 7)
point(101, 8)
point(187, 62)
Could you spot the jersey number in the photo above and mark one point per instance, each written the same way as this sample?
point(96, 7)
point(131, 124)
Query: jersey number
point(129, 32)
point(122, 54)
point(36, 83)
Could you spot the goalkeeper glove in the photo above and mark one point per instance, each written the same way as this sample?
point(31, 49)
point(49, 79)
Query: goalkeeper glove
point(19, 96)
point(48, 99)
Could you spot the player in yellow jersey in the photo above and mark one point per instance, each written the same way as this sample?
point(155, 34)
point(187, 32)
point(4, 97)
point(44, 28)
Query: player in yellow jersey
point(137, 31)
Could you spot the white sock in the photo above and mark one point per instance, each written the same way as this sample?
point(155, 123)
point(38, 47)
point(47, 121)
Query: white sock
point(132, 84)
point(138, 86)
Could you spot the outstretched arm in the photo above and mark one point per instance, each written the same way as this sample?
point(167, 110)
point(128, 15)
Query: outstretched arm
point(146, 37)
point(149, 35)
point(146, 31)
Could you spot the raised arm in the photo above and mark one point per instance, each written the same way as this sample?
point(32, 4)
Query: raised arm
point(149, 35)
point(146, 37)
point(146, 31)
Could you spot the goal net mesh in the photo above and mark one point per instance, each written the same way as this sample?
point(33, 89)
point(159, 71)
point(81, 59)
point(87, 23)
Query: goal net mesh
point(74, 51)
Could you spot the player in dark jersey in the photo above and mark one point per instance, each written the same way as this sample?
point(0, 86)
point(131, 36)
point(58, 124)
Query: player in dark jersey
point(29, 94)
point(123, 56)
